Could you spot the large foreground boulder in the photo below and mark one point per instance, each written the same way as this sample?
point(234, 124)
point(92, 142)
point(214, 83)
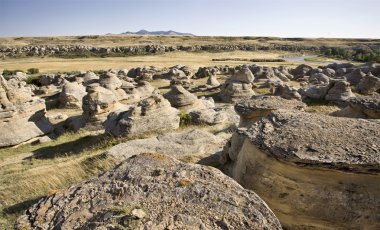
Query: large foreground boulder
point(152, 191)
point(311, 168)
point(149, 115)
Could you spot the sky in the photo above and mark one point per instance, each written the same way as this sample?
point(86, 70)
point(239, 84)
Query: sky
point(278, 18)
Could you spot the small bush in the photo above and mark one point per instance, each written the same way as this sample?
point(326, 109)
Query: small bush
point(33, 70)
point(33, 80)
point(185, 119)
point(8, 72)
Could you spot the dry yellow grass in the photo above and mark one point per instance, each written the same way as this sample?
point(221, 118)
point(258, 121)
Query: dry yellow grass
point(135, 40)
point(192, 59)
point(29, 172)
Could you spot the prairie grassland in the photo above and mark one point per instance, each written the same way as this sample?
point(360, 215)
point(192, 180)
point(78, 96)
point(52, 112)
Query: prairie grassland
point(136, 40)
point(191, 59)
point(29, 172)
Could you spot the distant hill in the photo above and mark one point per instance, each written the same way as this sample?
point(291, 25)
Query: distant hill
point(170, 32)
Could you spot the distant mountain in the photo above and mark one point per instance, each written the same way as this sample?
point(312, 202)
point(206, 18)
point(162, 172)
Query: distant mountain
point(170, 32)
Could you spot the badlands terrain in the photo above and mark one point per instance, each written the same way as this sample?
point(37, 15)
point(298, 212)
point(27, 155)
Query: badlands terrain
point(184, 132)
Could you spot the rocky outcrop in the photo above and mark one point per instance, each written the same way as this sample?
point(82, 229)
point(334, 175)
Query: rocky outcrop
point(301, 71)
point(367, 107)
point(336, 90)
point(285, 91)
point(238, 87)
point(149, 115)
point(251, 110)
point(339, 90)
point(189, 145)
point(299, 162)
point(369, 84)
point(152, 191)
point(72, 95)
point(22, 117)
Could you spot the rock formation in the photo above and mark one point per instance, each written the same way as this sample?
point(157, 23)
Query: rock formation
point(251, 110)
point(72, 95)
point(238, 87)
point(367, 107)
point(190, 145)
point(22, 117)
point(369, 84)
point(149, 115)
point(299, 162)
point(152, 191)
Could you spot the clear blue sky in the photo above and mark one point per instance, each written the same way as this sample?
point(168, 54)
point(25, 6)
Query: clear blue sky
point(282, 18)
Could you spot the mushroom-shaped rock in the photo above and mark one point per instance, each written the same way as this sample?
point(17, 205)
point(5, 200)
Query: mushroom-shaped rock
point(149, 115)
point(212, 82)
point(251, 110)
point(110, 81)
point(233, 91)
point(244, 75)
point(180, 97)
point(339, 90)
point(298, 162)
point(98, 100)
point(164, 192)
point(319, 78)
point(72, 95)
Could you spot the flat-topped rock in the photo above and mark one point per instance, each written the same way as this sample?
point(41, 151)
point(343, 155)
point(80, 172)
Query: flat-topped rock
point(251, 110)
point(318, 139)
point(192, 145)
point(367, 107)
point(152, 191)
point(299, 162)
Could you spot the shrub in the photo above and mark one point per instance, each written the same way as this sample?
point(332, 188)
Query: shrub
point(34, 80)
point(185, 119)
point(33, 70)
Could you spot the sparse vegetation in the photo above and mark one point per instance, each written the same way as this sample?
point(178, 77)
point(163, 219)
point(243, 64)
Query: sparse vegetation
point(33, 70)
point(360, 55)
point(29, 172)
point(185, 119)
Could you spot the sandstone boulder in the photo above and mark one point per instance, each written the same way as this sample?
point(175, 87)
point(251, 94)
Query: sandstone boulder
point(367, 107)
point(339, 90)
point(149, 115)
point(72, 95)
point(299, 162)
point(152, 191)
point(369, 84)
point(251, 110)
point(194, 145)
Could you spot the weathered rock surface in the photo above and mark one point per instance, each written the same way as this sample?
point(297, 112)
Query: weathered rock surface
point(285, 91)
point(251, 110)
point(153, 191)
point(186, 145)
point(299, 162)
point(339, 90)
point(72, 95)
point(180, 97)
point(22, 117)
point(367, 107)
point(149, 115)
point(369, 84)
